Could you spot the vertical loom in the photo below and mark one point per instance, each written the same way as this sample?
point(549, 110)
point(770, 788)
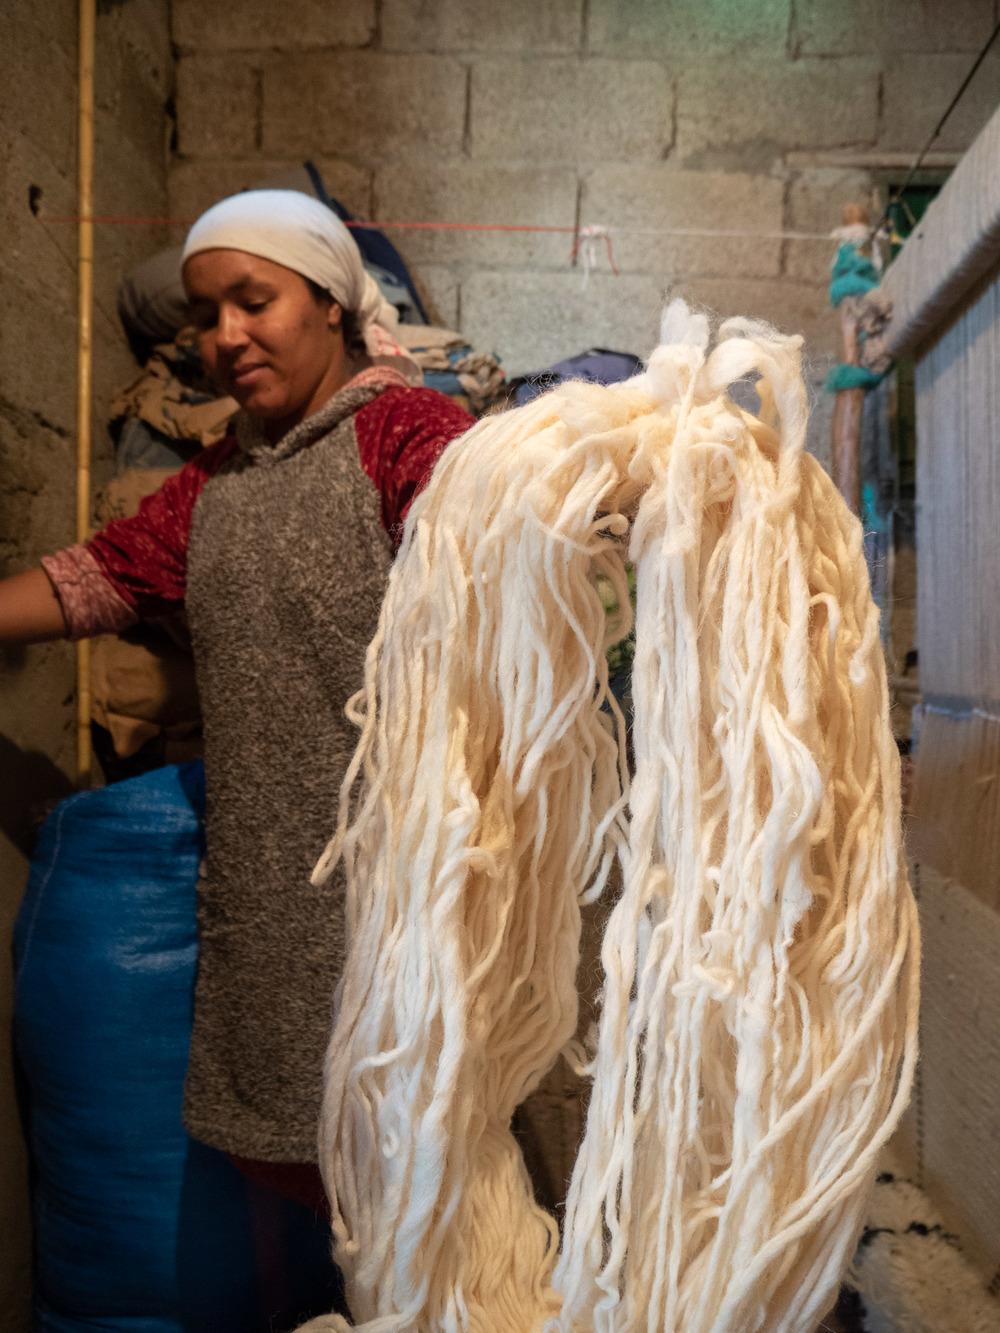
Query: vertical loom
point(945, 290)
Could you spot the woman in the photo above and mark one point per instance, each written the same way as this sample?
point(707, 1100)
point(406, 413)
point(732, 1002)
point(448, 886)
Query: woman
point(277, 541)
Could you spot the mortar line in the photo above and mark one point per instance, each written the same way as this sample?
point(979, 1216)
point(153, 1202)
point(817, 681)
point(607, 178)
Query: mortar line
point(577, 220)
point(467, 114)
point(792, 33)
point(258, 129)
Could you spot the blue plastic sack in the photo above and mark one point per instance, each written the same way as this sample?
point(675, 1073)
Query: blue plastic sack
point(597, 365)
point(376, 248)
point(137, 1227)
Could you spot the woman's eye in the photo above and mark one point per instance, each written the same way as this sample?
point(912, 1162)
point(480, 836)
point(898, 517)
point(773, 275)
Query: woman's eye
point(254, 307)
point(204, 319)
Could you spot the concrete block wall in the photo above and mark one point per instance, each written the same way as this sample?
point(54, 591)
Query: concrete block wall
point(637, 114)
point(38, 137)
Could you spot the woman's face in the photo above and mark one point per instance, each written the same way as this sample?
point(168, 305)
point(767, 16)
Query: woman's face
point(265, 339)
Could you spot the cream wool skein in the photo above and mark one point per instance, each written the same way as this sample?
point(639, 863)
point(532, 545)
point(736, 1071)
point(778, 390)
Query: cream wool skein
point(758, 1027)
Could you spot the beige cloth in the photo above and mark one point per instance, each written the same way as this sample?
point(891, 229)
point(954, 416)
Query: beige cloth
point(172, 396)
point(143, 685)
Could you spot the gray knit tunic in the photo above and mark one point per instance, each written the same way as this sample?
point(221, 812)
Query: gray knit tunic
point(287, 564)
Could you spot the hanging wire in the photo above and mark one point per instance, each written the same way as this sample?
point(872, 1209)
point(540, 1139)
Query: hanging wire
point(918, 160)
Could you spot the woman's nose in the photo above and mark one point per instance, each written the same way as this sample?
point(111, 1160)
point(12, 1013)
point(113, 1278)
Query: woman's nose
point(230, 334)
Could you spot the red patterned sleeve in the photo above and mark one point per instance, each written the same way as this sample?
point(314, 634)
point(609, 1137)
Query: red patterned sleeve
point(401, 435)
point(135, 568)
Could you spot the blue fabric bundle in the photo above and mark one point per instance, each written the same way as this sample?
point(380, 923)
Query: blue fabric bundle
point(137, 1227)
point(447, 381)
point(597, 365)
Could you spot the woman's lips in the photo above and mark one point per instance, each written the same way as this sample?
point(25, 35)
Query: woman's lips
point(244, 376)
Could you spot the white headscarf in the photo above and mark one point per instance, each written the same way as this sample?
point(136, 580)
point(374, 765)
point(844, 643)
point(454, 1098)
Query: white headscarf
point(300, 233)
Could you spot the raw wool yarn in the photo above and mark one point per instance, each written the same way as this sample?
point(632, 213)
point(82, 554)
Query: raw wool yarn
point(758, 1028)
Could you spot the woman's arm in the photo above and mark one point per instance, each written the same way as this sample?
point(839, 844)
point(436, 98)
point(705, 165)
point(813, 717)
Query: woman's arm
point(133, 569)
point(29, 609)
point(401, 434)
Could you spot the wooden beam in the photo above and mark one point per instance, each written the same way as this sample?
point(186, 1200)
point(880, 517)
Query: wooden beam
point(955, 244)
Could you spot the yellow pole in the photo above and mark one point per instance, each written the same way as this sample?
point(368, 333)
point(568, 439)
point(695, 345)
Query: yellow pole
point(84, 378)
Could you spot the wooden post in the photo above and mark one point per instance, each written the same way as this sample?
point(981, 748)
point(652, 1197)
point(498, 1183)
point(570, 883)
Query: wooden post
point(84, 369)
point(849, 404)
point(846, 461)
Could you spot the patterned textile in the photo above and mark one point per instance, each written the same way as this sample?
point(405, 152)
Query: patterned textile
point(451, 366)
point(90, 601)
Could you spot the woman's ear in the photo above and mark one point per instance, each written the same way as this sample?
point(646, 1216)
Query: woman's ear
point(334, 315)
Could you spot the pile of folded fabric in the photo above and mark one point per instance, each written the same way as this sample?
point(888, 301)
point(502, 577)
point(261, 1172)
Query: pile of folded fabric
point(474, 379)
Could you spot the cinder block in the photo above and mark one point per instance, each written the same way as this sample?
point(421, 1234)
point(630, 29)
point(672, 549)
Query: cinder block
point(540, 26)
point(438, 288)
point(533, 319)
point(918, 88)
point(857, 27)
point(348, 183)
point(479, 193)
point(34, 245)
point(126, 184)
point(195, 186)
point(45, 115)
point(792, 307)
point(815, 201)
point(364, 104)
point(129, 181)
point(142, 29)
point(652, 198)
point(55, 23)
point(38, 351)
point(686, 27)
point(260, 25)
point(130, 108)
point(37, 474)
point(571, 110)
point(217, 106)
point(776, 105)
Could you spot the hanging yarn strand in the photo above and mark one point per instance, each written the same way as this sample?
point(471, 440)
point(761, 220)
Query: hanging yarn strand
point(757, 1033)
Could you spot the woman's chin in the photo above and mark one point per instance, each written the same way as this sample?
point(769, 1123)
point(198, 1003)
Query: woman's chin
point(260, 403)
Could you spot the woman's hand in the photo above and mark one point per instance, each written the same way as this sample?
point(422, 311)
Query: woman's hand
point(29, 609)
